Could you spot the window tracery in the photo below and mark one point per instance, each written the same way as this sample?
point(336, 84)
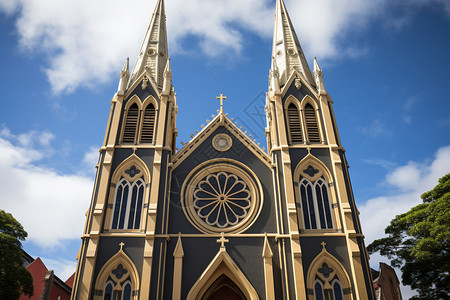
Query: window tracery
point(315, 203)
point(128, 204)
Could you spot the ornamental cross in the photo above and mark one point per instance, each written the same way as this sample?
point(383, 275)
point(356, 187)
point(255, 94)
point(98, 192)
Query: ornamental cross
point(121, 246)
point(221, 98)
point(222, 241)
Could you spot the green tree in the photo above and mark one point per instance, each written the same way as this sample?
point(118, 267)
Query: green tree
point(418, 243)
point(14, 277)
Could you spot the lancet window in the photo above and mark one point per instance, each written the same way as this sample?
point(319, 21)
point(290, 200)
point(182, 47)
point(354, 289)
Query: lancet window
point(131, 121)
point(128, 204)
point(148, 124)
point(315, 202)
point(295, 127)
point(312, 126)
point(116, 288)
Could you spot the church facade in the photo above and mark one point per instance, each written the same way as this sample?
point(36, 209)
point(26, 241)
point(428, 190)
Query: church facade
point(222, 218)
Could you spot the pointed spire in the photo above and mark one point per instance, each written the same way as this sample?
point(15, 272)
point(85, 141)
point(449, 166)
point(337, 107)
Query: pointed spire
point(287, 52)
point(154, 52)
point(167, 83)
point(318, 76)
point(124, 77)
point(178, 252)
point(267, 252)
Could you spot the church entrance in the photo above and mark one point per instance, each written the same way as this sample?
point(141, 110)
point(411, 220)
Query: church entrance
point(223, 289)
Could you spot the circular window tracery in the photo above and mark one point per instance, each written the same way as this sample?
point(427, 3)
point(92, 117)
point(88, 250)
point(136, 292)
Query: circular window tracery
point(221, 198)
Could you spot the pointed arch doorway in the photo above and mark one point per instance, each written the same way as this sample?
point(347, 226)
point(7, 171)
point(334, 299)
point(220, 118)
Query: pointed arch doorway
point(223, 289)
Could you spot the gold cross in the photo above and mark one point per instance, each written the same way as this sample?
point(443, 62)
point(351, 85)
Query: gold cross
point(222, 241)
point(221, 98)
point(121, 246)
point(323, 245)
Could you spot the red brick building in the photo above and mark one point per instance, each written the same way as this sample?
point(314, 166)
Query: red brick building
point(47, 286)
point(386, 283)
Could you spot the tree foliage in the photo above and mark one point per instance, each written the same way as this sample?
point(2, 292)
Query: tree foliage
point(14, 277)
point(418, 243)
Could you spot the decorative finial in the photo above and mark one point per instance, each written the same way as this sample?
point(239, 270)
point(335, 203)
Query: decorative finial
point(121, 246)
point(221, 98)
point(323, 245)
point(222, 241)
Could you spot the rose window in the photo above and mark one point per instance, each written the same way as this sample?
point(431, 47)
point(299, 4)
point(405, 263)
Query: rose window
point(222, 199)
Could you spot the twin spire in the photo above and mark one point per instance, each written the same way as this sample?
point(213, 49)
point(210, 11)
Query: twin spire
point(287, 54)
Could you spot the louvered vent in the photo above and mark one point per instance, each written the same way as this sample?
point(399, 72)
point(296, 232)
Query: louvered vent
point(148, 126)
point(311, 124)
point(294, 124)
point(129, 132)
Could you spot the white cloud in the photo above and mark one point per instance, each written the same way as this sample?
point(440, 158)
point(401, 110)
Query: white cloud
point(62, 268)
point(409, 182)
point(86, 42)
point(49, 205)
point(90, 159)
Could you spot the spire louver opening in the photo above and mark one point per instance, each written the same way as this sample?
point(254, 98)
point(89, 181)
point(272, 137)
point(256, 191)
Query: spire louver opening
point(311, 124)
point(148, 125)
point(129, 132)
point(294, 124)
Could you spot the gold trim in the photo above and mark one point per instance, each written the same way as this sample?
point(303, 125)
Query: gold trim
point(325, 257)
point(227, 138)
point(119, 258)
point(222, 264)
point(218, 165)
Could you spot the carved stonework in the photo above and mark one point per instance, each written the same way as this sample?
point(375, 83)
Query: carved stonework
point(311, 171)
point(119, 272)
point(133, 171)
point(325, 270)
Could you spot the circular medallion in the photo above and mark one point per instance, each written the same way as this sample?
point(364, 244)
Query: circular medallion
point(222, 142)
point(221, 197)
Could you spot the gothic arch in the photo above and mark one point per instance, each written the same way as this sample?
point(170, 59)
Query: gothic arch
point(294, 120)
point(334, 270)
point(312, 169)
point(132, 160)
point(119, 261)
point(131, 169)
point(313, 129)
point(130, 123)
point(148, 120)
point(148, 100)
point(222, 266)
point(314, 162)
point(131, 101)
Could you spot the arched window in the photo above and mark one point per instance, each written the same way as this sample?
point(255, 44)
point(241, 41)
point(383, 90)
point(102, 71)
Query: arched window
point(318, 290)
point(316, 206)
point(312, 126)
point(127, 291)
point(337, 290)
point(128, 204)
point(148, 124)
point(108, 292)
point(129, 132)
point(295, 128)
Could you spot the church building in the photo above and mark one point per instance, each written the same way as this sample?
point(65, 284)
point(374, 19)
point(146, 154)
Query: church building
point(222, 218)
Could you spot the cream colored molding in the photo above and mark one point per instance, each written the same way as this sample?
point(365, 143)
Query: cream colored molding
point(337, 270)
point(222, 264)
point(181, 155)
point(267, 255)
point(137, 82)
point(147, 267)
point(178, 255)
point(219, 165)
point(292, 77)
point(105, 272)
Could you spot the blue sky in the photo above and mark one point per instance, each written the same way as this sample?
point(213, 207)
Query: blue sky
point(385, 65)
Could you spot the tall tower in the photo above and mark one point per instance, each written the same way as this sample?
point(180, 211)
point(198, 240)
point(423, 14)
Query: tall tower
point(221, 218)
